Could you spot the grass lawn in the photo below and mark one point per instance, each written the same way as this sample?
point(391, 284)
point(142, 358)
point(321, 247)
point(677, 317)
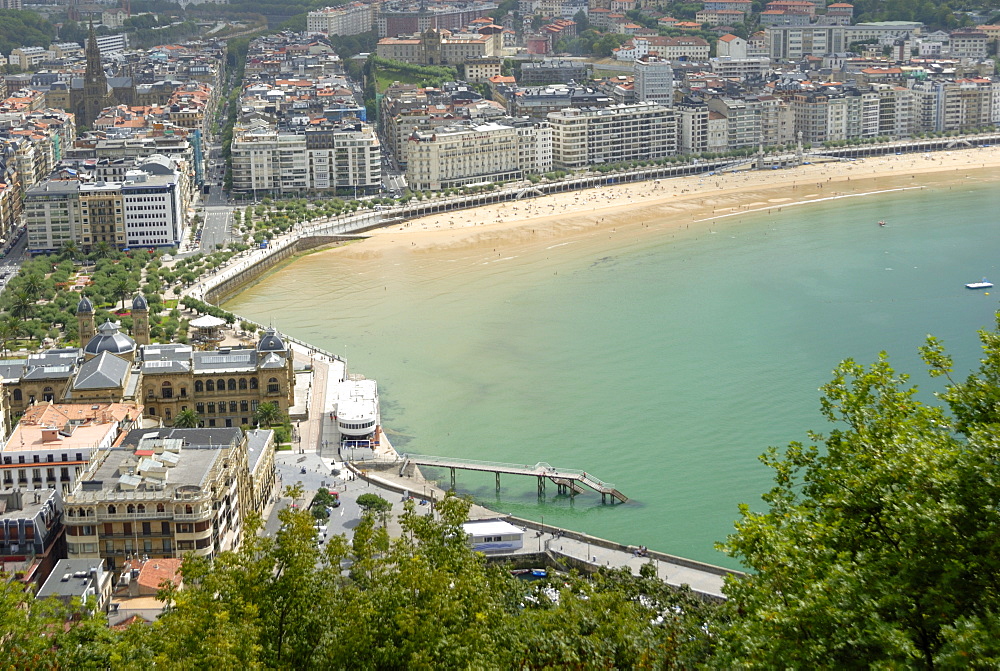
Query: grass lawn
point(385, 78)
point(170, 304)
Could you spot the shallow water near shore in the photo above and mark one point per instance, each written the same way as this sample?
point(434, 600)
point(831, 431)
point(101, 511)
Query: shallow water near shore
point(664, 363)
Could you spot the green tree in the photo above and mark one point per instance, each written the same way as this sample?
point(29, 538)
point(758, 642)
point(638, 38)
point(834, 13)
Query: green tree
point(878, 545)
point(187, 419)
point(121, 287)
point(374, 504)
point(267, 414)
point(101, 250)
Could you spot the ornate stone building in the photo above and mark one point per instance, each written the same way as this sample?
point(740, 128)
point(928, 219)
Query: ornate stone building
point(224, 387)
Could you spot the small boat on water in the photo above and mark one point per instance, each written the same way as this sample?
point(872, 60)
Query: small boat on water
point(881, 222)
point(979, 285)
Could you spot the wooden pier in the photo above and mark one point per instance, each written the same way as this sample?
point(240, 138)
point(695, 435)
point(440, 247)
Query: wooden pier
point(567, 480)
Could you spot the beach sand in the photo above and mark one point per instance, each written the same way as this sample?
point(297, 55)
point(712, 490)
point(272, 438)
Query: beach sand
point(655, 207)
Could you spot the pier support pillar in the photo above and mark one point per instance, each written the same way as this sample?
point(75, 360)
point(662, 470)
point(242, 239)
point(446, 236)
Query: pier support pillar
point(453, 478)
point(541, 486)
point(498, 482)
point(604, 498)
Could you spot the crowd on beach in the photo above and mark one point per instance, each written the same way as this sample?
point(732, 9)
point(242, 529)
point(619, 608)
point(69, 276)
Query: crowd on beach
point(696, 198)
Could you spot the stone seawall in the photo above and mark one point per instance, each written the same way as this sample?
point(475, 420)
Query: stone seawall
point(239, 280)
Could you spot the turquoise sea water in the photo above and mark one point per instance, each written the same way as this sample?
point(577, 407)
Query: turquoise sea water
point(662, 363)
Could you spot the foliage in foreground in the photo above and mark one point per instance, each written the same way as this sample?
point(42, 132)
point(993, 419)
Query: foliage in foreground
point(881, 546)
point(424, 601)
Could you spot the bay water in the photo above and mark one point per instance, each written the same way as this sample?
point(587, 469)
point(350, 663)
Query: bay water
point(663, 363)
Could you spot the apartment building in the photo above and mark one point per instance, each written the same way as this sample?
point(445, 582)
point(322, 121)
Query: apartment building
point(331, 157)
point(270, 162)
point(959, 104)
point(53, 442)
point(145, 209)
point(451, 156)
point(351, 19)
point(654, 82)
point(31, 533)
point(161, 493)
point(617, 134)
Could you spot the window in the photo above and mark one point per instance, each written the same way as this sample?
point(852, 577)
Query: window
point(198, 386)
point(165, 528)
point(253, 383)
point(231, 384)
point(211, 408)
point(221, 384)
point(146, 529)
point(209, 385)
point(243, 383)
point(232, 406)
point(17, 395)
point(199, 408)
point(272, 385)
point(48, 394)
point(160, 508)
point(244, 406)
point(166, 391)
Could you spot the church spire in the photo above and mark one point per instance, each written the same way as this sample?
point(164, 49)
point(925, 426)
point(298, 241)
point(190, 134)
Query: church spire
point(95, 82)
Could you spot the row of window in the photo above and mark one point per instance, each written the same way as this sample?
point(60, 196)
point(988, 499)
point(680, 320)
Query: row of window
point(48, 458)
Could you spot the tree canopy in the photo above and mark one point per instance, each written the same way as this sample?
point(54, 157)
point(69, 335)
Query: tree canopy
point(881, 542)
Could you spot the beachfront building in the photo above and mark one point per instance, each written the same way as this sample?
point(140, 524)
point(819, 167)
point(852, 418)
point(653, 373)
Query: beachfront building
point(450, 156)
point(344, 157)
point(617, 134)
point(822, 116)
point(351, 19)
point(161, 493)
point(962, 104)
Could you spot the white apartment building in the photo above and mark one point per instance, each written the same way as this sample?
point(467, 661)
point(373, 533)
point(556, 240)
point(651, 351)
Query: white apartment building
point(352, 19)
point(654, 82)
point(617, 134)
point(347, 158)
point(692, 129)
point(112, 44)
point(342, 158)
point(451, 156)
point(270, 162)
point(145, 210)
point(28, 58)
point(154, 215)
point(728, 66)
point(963, 104)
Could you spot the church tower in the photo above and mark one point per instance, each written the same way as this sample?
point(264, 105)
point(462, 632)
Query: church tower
point(140, 320)
point(85, 320)
point(95, 82)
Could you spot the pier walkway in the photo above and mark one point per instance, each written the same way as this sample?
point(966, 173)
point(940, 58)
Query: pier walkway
point(567, 480)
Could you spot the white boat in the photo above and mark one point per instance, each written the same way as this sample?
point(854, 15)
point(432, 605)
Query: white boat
point(979, 285)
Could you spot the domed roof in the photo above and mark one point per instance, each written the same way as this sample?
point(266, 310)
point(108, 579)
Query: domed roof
point(109, 339)
point(84, 306)
point(139, 302)
point(271, 341)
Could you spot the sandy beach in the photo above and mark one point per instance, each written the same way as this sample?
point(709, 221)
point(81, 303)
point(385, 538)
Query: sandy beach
point(670, 204)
